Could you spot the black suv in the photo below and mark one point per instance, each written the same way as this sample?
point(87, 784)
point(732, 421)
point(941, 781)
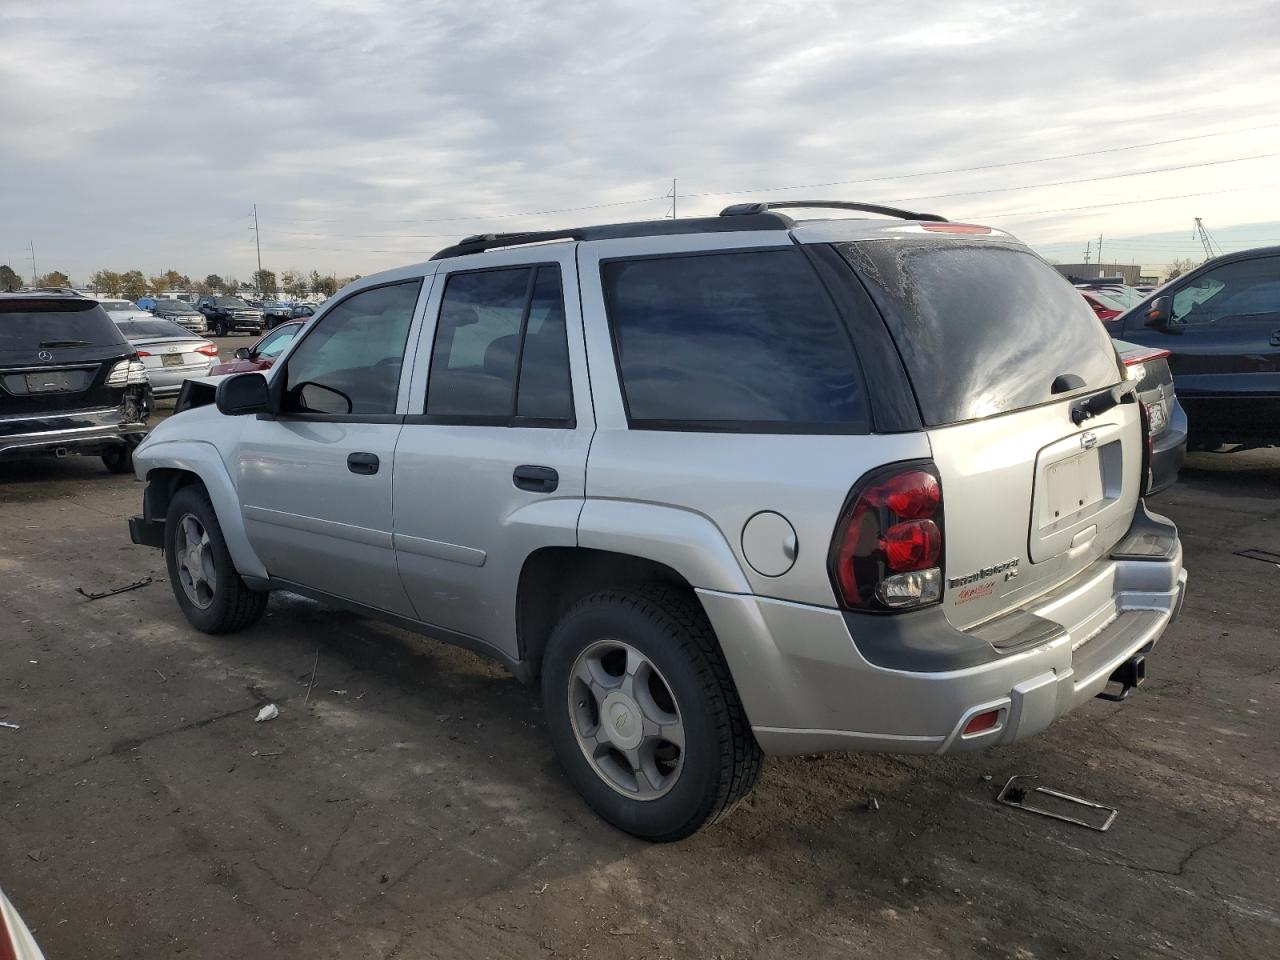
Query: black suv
point(69, 381)
point(225, 314)
point(1221, 326)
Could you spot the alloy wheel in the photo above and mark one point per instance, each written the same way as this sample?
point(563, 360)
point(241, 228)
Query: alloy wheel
point(626, 720)
point(194, 555)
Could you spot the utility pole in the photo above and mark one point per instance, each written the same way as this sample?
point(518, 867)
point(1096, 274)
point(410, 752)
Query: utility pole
point(1099, 253)
point(1088, 250)
point(35, 274)
point(673, 198)
point(257, 238)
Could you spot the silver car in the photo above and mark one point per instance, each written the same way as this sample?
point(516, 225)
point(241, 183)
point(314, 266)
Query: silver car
point(170, 353)
point(718, 487)
point(121, 310)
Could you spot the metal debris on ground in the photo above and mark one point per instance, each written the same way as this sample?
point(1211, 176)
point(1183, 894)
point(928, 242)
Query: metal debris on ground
point(111, 593)
point(312, 683)
point(269, 712)
point(9, 726)
point(872, 803)
point(1015, 794)
point(1266, 556)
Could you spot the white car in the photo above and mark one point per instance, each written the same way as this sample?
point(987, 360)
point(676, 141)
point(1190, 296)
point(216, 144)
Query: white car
point(16, 941)
point(120, 310)
point(171, 353)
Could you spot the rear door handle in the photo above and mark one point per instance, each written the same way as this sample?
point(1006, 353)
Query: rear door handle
point(363, 463)
point(536, 479)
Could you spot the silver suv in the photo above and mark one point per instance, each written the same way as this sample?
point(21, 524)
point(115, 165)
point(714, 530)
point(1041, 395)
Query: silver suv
point(722, 487)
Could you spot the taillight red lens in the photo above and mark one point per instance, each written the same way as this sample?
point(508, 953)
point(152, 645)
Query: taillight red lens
point(912, 545)
point(892, 526)
point(143, 353)
point(209, 349)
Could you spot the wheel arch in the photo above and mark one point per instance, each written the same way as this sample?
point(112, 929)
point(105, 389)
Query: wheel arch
point(172, 465)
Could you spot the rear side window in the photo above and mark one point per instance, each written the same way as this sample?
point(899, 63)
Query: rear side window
point(40, 324)
point(500, 353)
point(983, 328)
point(745, 341)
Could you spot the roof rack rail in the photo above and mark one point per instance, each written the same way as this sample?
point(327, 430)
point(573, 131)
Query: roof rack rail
point(616, 231)
point(750, 209)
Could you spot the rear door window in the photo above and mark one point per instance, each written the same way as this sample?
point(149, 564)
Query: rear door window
point(743, 341)
point(500, 354)
point(983, 328)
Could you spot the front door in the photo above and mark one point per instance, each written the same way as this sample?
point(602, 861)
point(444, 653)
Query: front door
point(315, 481)
point(1224, 335)
point(491, 464)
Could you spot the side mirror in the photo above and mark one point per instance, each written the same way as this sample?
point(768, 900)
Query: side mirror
point(1159, 312)
point(243, 394)
point(242, 353)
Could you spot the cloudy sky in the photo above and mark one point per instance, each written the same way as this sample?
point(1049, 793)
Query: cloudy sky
point(139, 133)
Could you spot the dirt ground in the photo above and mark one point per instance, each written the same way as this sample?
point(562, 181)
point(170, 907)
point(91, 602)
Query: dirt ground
point(412, 806)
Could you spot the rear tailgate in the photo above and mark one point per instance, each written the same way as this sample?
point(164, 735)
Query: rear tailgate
point(1000, 349)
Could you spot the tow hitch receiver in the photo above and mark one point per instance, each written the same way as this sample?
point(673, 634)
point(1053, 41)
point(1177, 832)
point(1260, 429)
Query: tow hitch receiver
point(1128, 675)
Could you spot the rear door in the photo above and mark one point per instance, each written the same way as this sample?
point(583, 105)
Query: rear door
point(1000, 349)
point(1223, 334)
point(491, 462)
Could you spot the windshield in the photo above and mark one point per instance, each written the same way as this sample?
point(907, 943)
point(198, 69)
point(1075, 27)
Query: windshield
point(144, 329)
point(230, 302)
point(984, 328)
point(174, 306)
point(120, 306)
point(46, 324)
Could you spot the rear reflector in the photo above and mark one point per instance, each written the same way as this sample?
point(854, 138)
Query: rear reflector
point(981, 722)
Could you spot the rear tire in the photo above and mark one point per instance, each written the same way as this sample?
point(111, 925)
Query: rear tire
point(212, 595)
point(119, 459)
point(655, 790)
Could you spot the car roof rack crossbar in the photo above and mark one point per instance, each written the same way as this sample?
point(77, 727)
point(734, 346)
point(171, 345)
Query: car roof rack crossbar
point(755, 209)
point(764, 220)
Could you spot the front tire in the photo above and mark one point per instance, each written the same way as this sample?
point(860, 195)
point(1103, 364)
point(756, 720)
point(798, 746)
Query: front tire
point(205, 583)
point(643, 713)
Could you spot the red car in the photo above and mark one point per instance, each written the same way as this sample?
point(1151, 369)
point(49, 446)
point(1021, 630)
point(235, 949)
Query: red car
point(263, 353)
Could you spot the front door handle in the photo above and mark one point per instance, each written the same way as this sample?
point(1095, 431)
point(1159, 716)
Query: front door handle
point(365, 464)
point(1275, 338)
point(536, 479)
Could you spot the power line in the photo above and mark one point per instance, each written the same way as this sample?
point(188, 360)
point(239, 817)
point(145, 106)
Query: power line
point(1126, 203)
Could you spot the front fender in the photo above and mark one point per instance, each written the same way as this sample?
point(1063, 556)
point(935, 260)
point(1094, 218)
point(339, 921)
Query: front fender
point(201, 458)
point(687, 542)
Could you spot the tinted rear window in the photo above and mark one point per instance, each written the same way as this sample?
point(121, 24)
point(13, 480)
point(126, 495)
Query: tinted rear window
point(744, 340)
point(40, 324)
point(140, 329)
point(984, 328)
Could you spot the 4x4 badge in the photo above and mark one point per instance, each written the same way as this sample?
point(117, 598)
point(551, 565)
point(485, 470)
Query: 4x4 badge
point(45, 355)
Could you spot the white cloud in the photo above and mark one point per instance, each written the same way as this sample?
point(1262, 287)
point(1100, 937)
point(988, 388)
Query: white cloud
point(140, 134)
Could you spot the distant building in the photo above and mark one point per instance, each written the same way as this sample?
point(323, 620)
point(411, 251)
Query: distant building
point(1127, 273)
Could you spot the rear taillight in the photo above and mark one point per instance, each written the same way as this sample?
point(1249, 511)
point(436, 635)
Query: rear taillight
point(887, 551)
point(1105, 314)
point(209, 349)
point(143, 353)
point(128, 372)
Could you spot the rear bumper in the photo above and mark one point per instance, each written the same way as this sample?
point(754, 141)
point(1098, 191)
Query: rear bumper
point(1169, 451)
point(808, 688)
point(89, 432)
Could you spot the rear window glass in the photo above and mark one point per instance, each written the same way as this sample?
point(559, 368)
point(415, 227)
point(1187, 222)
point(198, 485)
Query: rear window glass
point(136, 329)
point(38, 325)
point(744, 341)
point(983, 328)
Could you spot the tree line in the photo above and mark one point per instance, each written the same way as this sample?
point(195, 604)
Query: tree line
point(132, 284)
